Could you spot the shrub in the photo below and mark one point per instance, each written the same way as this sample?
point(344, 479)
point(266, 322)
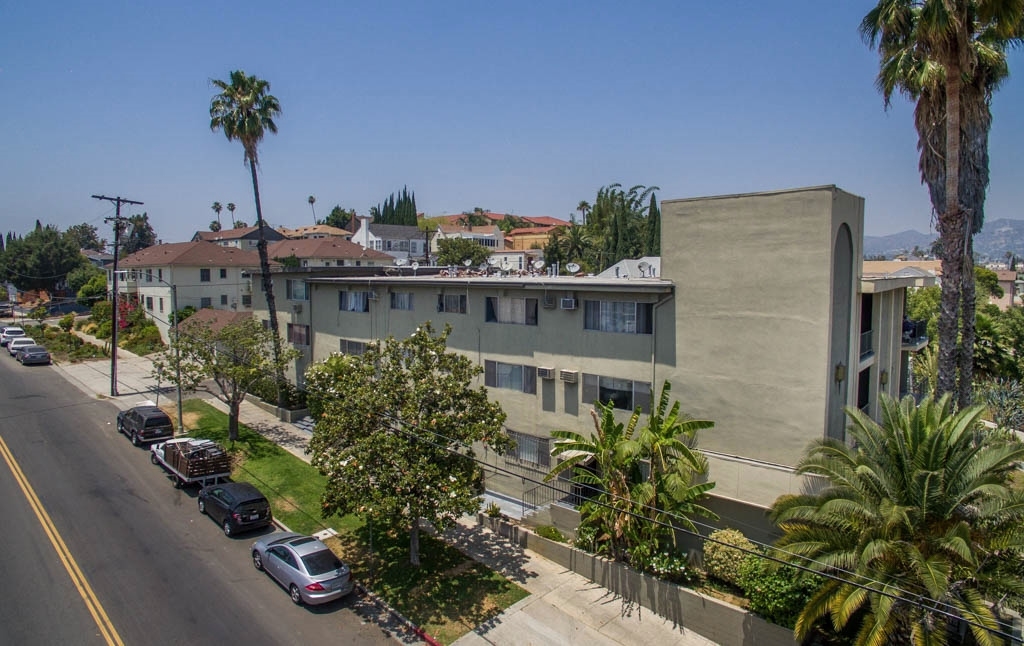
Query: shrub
point(675, 568)
point(550, 533)
point(67, 322)
point(776, 591)
point(104, 330)
point(267, 391)
point(724, 562)
point(102, 311)
point(493, 510)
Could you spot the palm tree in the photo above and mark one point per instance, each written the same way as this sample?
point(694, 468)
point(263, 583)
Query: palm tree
point(231, 210)
point(584, 208)
point(949, 57)
point(214, 225)
point(216, 209)
point(575, 242)
point(914, 523)
point(244, 110)
point(312, 201)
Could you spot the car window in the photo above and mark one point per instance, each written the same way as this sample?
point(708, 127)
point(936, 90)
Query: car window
point(321, 562)
point(157, 421)
point(285, 556)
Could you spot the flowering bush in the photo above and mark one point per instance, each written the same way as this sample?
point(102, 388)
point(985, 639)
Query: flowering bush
point(776, 591)
point(674, 568)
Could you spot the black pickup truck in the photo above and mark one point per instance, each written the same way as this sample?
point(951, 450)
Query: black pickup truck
point(145, 423)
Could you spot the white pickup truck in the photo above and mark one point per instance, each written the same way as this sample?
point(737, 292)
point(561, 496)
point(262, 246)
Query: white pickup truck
point(191, 460)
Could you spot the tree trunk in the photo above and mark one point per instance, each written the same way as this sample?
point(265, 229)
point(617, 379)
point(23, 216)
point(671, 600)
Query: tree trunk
point(965, 386)
point(268, 283)
point(414, 541)
point(233, 420)
point(952, 232)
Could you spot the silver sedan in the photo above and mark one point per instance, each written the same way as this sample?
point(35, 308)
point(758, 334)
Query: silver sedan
point(304, 566)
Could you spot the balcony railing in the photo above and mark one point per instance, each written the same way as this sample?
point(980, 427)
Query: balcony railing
point(915, 332)
point(865, 344)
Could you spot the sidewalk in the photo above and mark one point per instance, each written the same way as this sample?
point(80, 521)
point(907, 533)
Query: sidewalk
point(563, 607)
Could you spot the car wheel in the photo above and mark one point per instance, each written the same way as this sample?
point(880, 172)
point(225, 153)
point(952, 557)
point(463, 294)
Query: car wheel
point(294, 593)
point(152, 458)
point(228, 530)
point(257, 560)
point(202, 506)
point(135, 438)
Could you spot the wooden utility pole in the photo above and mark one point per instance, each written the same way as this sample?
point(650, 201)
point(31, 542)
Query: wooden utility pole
point(118, 221)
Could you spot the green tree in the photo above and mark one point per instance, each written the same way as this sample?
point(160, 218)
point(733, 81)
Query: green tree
point(312, 200)
point(85, 236)
point(912, 522)
point(584, 208)
point(452, 251)
point(225, 362)
point(341, 218)
point(394, 432)
point(214, 226)
point(217, 208)
point(949, 56)
point(138, 234)
point(40, 260)
point(94, 289)
point(652, 241)
point(396, 211)
point(231, 210)
point(244, 111)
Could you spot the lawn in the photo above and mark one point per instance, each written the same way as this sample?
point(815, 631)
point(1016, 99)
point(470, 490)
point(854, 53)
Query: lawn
point(449, 595)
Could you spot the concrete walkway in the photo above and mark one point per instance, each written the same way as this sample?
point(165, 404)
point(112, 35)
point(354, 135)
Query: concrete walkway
point(563, 607)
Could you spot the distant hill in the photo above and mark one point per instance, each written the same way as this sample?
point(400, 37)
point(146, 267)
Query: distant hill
point(991, 245)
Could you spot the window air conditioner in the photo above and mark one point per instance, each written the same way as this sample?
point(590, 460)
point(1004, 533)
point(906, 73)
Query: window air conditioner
point(568, 304)
point(546, 373)
point(568, 376)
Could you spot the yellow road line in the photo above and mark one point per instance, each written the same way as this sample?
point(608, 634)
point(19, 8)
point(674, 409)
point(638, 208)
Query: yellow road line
point(91, 601)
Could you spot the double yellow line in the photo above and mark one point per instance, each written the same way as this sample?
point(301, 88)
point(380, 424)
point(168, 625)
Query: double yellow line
point(91, 601)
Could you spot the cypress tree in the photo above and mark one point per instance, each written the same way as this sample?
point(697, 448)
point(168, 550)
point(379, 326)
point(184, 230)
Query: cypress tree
point(652, 246)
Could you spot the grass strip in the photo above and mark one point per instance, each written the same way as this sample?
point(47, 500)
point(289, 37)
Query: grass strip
point(449, 595)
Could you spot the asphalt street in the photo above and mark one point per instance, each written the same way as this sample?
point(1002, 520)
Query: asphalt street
point(97, 546)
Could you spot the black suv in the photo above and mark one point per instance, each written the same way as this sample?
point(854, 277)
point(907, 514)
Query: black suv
point(237, 506)
point(145, 424)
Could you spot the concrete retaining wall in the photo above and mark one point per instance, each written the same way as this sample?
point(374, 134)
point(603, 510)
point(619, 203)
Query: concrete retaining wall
point(283, 414)
point(716, 620)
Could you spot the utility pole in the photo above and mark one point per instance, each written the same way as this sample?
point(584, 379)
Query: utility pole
point(118, 220)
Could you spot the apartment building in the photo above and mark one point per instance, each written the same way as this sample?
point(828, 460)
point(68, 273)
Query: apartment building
point(245, 238)
point(759, 316)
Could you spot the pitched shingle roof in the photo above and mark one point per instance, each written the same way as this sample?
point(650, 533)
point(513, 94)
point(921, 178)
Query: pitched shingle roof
point(191, 254)
point(324, 248)
point(396, 231)
point(216, 320)
point(235, 234)
point(300, 232)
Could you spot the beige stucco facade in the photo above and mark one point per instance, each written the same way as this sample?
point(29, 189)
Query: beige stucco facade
point(757, 320)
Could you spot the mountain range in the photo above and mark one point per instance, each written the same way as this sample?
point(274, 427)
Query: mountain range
point(990, 245)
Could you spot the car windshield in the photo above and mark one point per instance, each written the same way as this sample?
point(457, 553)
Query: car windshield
point(321, 562)
point(153, 422)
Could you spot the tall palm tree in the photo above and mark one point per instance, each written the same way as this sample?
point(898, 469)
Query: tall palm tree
point(913, 522)
point(312, 201)
point(214, 225)
point(584, 208)
point(949, 56)
point(244, 110)
point(231, 210)
point(217, 208)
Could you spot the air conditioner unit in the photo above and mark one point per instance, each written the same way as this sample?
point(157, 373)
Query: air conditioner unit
point(568, 304)
point(546, 373)
point(568, 376)
point(297, 308)
point(548, 302)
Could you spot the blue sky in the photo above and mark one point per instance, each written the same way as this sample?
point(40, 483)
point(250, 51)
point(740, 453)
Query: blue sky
point(525, 107)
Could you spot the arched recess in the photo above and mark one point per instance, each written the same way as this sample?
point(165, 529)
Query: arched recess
point(839, 351)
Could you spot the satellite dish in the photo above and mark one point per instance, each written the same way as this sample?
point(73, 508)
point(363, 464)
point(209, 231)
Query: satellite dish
point(572, 267)
point(401, 261)
point(415, 266)
point(505, 264)
point(492, 261)
point(538, 264)
point(643, 265)
point(483, 266)
point(467, 262)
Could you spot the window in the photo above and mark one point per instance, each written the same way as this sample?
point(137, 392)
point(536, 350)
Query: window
point(266, 323)
point(298, 334)
point(295, 290)
point(511, 376)
point(205, 301)
point(401, 300)
point(354, 301)
point(451, 303)
point(223, 273)
point(622, 393)
point(530, 449)
point(149, 276)
point(149, 303)
point(160, 274)
point(352, 347)
point(618, 316)
point(161, 302)
point(522, 311)
point(223, 299)
point(247, 300)
point(204, 275)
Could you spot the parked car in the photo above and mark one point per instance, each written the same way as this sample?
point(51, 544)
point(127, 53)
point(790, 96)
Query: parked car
point(304, 566)
point(9, 332)
point(235, 506)
point(33, 354)
point(6, 310)
point(145, 423)
point(19, 342)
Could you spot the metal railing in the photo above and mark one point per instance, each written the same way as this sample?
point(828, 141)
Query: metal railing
point(865, 344)
point(554, 491)
point(915, 331)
